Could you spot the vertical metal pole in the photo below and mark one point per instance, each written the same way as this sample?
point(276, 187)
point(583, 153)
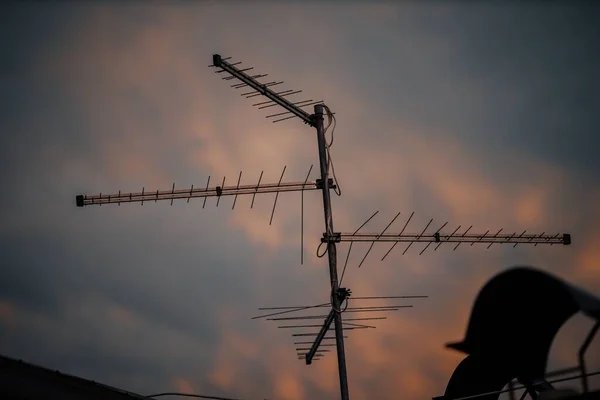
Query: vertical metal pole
point(331, 251)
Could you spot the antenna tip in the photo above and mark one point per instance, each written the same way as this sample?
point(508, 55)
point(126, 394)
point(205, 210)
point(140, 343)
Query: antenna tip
point(566, 239)
point(217, 60)
point(79, 200)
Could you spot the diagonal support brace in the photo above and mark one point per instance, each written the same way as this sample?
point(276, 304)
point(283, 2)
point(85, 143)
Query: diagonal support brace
point(342, 294)
point(320, 336)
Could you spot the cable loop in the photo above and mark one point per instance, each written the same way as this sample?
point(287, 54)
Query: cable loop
point(331, 121)
point(325, 252)
point(339, 311)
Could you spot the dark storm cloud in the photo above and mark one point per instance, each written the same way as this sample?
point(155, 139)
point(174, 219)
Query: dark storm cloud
point(89, 341)
point(34, 112)
point(161, 285)
point(167, 289)
point(521, 78)
point(54, 256)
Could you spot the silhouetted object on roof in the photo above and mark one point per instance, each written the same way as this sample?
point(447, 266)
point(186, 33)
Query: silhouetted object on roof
point(24, 381)
point(513, 323)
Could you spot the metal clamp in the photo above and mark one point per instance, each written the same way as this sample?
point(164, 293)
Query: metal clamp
point(319, 183)
point(343, 293)
point(335, 237)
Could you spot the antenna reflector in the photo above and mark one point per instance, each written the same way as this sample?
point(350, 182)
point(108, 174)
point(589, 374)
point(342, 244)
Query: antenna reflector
point(220, 191)
point(228, 78)
point(373, 243)
point(283, 119)
point(257, 185)
point(277, 195)
point(519, 237)
point(463, 235)
point(191, 191)
point(207, 182)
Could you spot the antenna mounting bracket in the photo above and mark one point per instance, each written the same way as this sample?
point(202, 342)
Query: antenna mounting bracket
point(335, 237)
point(343, 293)
point(217, 60)
point(319, 183)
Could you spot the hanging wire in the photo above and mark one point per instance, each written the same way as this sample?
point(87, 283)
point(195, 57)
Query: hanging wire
point(198, 396)
point(498, 392)
point(331, 121)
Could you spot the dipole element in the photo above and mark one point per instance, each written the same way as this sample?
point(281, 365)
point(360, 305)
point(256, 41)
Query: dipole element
point(317, 120)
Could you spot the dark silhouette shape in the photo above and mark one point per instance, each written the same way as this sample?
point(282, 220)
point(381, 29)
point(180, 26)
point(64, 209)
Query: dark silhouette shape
point(510, 332)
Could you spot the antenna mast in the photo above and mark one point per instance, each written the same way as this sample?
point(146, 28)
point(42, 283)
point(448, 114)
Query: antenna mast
point(339, 296)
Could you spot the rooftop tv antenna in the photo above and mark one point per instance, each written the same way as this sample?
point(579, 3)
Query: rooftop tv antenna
point(338, 298)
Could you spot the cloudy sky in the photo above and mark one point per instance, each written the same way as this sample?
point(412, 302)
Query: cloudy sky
point(483, 115)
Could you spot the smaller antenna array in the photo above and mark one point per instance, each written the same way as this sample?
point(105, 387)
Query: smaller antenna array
point(315, 351)
point(264, 89)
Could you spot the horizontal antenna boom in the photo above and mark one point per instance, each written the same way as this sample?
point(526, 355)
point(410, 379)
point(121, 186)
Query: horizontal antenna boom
point(174, 194)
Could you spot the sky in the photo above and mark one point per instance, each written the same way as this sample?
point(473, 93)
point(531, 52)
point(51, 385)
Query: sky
point(475, 114)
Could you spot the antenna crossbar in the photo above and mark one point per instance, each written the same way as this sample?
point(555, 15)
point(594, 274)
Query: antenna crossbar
point(439, 238)
point(564, 239)
point(263, 89)
point(176, 194)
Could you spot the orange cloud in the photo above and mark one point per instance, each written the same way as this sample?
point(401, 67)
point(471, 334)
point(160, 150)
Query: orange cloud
point(287, 386)
point(227, 373)
point(587, 262)
point(182, 385)
point(530, 207)
point(122, 317)
point(7, 314)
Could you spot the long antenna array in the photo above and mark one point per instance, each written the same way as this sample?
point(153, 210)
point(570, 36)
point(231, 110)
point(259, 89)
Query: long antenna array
point(339, 296)
point(191, 193)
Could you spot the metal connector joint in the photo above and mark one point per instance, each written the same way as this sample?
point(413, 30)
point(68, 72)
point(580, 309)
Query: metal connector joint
point(319, 183)
point(343, 293)
point(335, 237)
point(79, 200)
